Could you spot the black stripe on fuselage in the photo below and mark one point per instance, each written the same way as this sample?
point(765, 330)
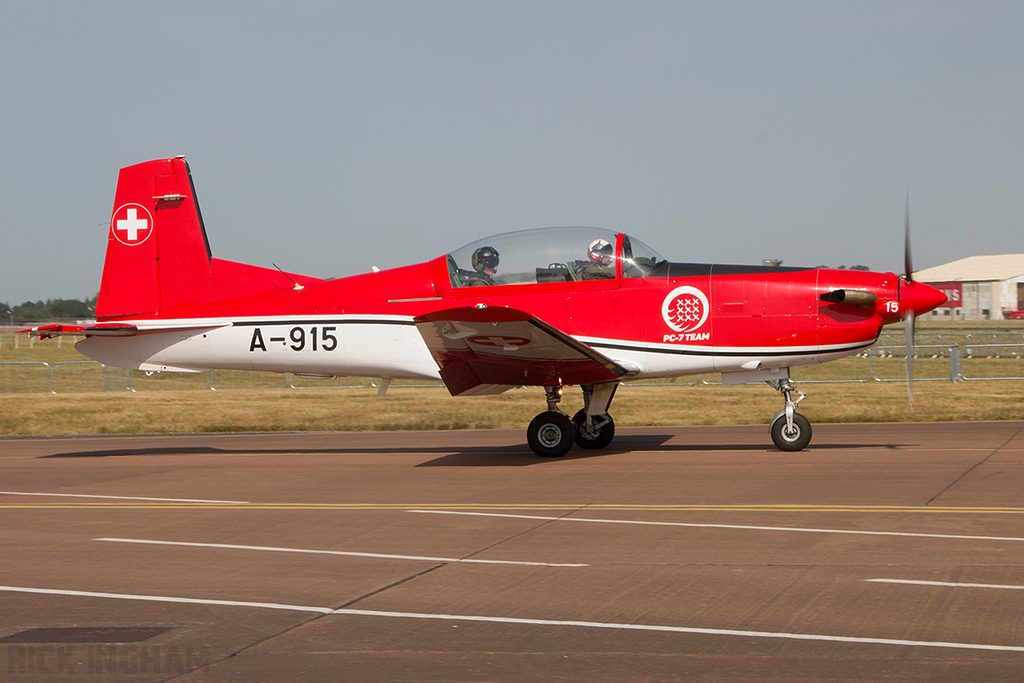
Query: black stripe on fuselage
point(321, 321)
point(713, 352)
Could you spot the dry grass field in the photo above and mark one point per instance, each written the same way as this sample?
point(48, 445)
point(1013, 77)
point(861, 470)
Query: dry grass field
point(433, 408)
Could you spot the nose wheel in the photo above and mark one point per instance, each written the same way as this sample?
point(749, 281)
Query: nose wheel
point(791, 438)
point(790, 430)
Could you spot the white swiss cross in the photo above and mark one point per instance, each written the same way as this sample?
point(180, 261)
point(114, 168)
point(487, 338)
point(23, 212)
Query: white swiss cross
point(133, 224)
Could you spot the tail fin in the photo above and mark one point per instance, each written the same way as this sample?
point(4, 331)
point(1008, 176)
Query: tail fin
point(158, 256)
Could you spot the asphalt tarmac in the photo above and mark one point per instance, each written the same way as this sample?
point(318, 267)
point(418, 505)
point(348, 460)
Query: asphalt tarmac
point(883, 552)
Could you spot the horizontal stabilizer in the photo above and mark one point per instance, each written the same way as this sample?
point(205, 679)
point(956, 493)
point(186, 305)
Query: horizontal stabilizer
point(477, 348)
point(101, 330)
point(113, 329)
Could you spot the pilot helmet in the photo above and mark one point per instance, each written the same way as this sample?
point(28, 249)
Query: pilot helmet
point(485, 257)
point(599, 249)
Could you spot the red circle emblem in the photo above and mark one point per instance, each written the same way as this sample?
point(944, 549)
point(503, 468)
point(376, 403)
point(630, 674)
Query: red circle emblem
point(685, 309)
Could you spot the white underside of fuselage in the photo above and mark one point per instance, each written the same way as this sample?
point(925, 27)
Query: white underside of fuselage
point(390, 347)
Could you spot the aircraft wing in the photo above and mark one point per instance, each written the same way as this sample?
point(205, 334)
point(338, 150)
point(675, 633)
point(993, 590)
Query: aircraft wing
point(489, 350)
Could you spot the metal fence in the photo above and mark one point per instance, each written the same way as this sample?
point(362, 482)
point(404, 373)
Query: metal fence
point(932, 362)
point(941, 354)
point(73, 377)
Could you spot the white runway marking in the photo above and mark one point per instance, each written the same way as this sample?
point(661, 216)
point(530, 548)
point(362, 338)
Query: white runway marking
point(162, 500)
point(529, 622)
point(686, 629)
point(726, 526)
point(158, 598)
point(335, 552)
point(947, 584)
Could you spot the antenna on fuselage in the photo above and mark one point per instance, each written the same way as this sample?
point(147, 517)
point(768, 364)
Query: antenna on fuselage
point(297, 286)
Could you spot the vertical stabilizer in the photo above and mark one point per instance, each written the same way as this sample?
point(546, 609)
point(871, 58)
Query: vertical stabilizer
point(158, 256)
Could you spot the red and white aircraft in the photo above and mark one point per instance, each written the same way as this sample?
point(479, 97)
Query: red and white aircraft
point(549, 308)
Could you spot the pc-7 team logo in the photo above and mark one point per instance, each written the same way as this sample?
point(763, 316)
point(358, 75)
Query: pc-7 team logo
point(131, 224)
point(685, 309)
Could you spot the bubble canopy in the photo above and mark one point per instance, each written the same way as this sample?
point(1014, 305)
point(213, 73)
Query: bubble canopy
point(550, 255)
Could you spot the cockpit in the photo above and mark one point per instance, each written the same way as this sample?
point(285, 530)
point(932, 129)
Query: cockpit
point(546, 255)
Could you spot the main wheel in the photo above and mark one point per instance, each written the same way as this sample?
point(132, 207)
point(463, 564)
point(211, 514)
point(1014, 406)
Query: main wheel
point(791, 440)
point(551, 434)
point(585, 439)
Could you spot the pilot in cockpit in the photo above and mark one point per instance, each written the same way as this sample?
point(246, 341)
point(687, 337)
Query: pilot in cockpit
point(485, 265)
point(600, 266)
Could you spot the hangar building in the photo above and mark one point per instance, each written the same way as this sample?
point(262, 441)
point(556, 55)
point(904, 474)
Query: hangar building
point(978, 287)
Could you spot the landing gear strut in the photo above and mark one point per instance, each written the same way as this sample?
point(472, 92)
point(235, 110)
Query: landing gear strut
point(790, 430)
point(551, 434)
point(594, 426)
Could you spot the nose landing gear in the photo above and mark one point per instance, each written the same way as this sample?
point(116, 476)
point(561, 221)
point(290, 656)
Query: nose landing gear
point(790, 430)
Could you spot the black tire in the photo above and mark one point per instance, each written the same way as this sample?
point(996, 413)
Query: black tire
point(551, 434)
point(798, 439)
point(604, 434)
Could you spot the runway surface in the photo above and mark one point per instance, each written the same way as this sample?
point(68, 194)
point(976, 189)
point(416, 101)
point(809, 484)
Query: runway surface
point(882, 552)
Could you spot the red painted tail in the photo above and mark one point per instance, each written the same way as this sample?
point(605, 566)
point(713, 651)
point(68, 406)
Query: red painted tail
point(158, 257)
point(157, 253)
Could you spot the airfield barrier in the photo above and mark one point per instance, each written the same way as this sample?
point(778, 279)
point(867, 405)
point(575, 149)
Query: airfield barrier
point(932, 362)
point(28, 366)
point(993, 361)
point(79, 377)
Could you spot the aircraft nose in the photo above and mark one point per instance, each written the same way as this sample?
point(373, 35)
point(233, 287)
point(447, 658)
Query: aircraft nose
point(919, 297)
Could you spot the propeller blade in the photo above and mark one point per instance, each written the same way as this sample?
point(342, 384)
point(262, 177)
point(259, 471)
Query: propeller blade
point(908, 273)
point(908, 265)
point(909, 328)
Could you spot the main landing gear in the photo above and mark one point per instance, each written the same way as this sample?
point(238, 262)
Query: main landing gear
point(790, 430)
point(552, 433)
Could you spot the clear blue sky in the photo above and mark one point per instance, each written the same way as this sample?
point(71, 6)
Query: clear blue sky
point(330, 137)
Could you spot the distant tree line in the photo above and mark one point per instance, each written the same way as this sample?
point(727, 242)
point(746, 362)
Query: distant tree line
point(51, 309)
